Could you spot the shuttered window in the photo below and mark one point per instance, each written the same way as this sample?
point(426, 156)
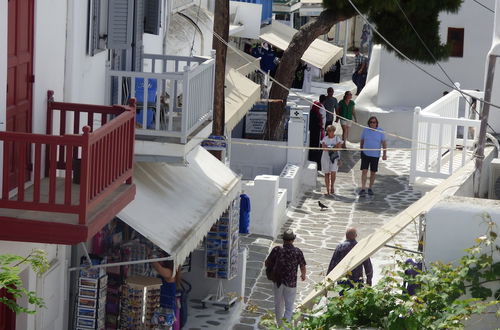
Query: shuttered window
point(97, 29)
point(120, 24)
point(152, 14)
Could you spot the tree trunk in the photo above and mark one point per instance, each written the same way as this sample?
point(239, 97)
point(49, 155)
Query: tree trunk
point(289, 62)
point(221, 27)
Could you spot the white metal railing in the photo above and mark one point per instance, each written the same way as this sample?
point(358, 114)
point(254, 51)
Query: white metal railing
point(443, 134)
point(177, 99)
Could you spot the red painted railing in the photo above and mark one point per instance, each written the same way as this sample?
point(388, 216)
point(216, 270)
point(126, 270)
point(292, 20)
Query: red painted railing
point(99, 154)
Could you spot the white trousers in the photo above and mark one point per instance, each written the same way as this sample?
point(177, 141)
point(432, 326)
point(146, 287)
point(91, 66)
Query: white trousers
point(284, 298)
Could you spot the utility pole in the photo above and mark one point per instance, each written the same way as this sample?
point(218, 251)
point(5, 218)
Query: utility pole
point(484, 123)
point(221, 28)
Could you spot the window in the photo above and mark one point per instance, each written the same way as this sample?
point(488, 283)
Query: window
point(97, 26)
point(456, 41)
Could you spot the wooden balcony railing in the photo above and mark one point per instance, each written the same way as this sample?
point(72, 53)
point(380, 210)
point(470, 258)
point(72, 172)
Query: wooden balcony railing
point(91, 144)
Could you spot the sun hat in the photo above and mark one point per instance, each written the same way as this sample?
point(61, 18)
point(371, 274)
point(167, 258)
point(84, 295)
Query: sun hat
point(288, 235)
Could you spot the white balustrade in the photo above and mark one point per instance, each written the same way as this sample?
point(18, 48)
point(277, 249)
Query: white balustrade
point(180, 94)
point(436, 141)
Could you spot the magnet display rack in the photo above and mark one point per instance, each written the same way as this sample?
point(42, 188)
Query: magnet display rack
point(91, 299)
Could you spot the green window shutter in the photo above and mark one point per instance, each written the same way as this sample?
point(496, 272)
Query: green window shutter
point(120, 23)
point(152, 13)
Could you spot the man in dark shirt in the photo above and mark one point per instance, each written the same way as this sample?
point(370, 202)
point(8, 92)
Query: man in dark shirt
point(287, 259)
point(330, 105)
point(342, 250)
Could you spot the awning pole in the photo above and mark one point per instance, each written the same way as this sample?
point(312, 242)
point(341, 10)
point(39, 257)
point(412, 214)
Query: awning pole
point(86, 253)
point(402, 249)
point(124, 263)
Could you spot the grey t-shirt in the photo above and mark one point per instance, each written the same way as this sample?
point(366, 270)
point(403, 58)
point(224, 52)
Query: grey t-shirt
point(330, 104)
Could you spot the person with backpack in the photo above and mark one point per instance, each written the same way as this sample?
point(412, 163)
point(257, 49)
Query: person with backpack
point(281, 268)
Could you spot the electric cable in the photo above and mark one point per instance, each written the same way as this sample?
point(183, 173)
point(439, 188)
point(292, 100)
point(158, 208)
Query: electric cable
point(482, 5)
point(413, 62)
point(196, 24)
point(437, 62)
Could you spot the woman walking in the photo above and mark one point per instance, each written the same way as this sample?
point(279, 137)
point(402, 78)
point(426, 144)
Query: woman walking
point(330, 158)
point(346, 110)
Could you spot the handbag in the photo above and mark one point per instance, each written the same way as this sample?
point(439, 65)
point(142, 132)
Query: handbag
point(333, 154)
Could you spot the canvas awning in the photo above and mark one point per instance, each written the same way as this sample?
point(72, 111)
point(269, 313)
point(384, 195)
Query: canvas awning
point(320, 54)
point(240, 95)
point(175, 206)
point(241, 62)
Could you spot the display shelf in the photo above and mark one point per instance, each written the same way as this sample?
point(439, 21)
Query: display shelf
point(140, 299)
point(91, 300)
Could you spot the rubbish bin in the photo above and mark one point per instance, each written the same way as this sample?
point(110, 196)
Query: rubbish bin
point(244, 213)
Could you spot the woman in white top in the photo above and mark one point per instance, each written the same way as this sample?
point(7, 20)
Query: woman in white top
point(328, 166)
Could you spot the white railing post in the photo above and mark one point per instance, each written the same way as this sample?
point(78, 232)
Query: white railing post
point(414, 145)
point(185, 104)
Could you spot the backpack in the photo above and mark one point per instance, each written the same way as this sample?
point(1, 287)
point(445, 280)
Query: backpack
point(272, 271)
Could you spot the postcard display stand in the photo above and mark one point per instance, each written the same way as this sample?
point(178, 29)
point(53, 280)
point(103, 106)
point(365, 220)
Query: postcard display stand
point(222, 253)
point(90, 309)
point(140, 299)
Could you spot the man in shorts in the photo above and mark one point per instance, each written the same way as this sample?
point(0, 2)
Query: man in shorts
point(372, 139)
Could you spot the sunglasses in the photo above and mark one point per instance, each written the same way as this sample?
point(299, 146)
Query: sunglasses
point(373, 122)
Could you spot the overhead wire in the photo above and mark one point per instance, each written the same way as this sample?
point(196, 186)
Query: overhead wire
point(413, 62)
point(237, 51)
point(436, 61)
point(196, 24)
point(485, 7)
point(257, 68)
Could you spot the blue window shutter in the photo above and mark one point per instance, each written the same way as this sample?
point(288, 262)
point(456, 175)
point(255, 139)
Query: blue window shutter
point(152, 13)
point(120, 23)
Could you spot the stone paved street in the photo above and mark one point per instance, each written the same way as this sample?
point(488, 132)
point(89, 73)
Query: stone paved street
point(318, 232)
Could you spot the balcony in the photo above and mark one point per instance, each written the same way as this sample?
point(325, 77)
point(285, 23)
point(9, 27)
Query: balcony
point(74, 179)
point(174, 104)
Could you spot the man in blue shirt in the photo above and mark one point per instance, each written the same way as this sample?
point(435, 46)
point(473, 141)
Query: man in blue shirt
point(373, 139)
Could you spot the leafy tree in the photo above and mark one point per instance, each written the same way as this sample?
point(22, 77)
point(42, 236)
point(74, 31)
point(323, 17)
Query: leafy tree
point(388, 19)
point(10, 280)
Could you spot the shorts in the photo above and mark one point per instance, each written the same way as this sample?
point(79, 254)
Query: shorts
point(345, 122)
point(369, 162)
point(326, 164)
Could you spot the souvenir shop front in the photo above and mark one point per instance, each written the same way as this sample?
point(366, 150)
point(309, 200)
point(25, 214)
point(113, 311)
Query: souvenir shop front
point(183, 216)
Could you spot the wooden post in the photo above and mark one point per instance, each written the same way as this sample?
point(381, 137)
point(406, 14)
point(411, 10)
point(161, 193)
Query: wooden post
point(221, 27)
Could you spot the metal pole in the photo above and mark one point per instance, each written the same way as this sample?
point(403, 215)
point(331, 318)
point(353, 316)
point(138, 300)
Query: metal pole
point(346, 40)
point(124, 263)
point(490, 74)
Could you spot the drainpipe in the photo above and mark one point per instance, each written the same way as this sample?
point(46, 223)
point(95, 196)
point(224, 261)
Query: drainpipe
point(346, 38)
point(166, 23)
point(490, 74)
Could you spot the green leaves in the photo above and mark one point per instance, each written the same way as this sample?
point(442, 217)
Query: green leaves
point(10, 280)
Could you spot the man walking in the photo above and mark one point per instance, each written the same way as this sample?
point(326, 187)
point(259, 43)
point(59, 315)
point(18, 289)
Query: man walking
point(286, 259)
point(330, 105)
point(356, 275)
point(372, 139)
point(360, 70)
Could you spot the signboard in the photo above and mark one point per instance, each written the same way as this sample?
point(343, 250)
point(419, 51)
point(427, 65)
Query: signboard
point(214, 142)
point(255, 122)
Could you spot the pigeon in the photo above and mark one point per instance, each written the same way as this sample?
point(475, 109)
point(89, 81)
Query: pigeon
point(322, 206)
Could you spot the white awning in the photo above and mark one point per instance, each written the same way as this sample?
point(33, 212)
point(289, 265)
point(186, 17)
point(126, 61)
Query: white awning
point(320, 54)
point(175, 206)
point(240, 95)
point(242, 62)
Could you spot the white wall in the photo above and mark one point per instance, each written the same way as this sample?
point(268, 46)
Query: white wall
point(451, 226)
point(403, 84)
point(255, 160)
point(51, 286)
point(85, 75)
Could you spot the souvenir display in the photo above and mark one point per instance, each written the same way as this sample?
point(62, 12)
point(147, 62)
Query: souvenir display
point(222, 244)
point(91, 300)
point(140, 300)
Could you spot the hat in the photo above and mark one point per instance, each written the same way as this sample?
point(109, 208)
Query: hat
point(288, 235)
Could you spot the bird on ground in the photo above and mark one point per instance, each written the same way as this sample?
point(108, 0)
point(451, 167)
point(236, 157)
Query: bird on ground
point(322, 206)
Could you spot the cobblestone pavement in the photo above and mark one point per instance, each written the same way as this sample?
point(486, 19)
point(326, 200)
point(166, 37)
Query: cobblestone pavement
point(318, 232)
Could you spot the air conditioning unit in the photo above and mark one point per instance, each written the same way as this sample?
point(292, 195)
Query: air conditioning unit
point(494, 187)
